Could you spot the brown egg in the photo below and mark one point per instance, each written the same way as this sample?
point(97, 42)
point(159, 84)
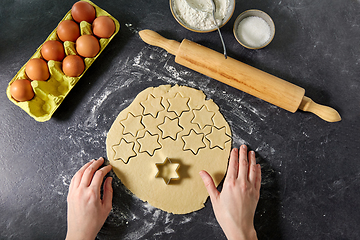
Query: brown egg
point(53, 50)
point(68, 30)
point(83, 11)
point(73, 66)
point(87, 46)
point(37, 69)
point(21, 90)
point(103, 27)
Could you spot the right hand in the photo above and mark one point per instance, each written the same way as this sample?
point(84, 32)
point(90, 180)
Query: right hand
point(235, 206)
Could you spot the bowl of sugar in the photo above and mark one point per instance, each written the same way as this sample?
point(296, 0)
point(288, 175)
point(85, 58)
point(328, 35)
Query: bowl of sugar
point(254, 29)
point(202, 21)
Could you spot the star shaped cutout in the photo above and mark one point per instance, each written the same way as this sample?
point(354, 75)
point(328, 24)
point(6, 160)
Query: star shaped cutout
point(202, 117)
point(178, 104)
point(193, 141)
point(218, 137)
point(152, 105)
point(167, 171)
point(132, 124)
point(124, 150)
point(170, 128)
point(149, 143)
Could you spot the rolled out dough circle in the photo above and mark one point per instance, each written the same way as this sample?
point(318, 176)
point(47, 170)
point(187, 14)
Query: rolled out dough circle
point(176, 123)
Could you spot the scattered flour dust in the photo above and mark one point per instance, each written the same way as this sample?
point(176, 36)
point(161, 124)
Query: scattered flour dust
point(198, 19)
point(88, 137)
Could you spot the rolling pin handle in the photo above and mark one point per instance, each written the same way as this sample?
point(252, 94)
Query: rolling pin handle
point(155, 39)
point(327, 113)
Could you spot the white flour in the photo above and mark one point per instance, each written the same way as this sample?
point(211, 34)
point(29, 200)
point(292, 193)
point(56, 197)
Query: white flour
point(198, 19)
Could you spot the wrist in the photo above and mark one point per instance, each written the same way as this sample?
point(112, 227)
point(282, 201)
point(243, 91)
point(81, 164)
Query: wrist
point(242, 235)
point(78, 236)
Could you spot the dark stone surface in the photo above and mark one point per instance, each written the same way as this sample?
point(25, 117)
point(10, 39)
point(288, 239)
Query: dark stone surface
point(311, 168)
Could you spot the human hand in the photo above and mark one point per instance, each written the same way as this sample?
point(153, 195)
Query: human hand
point(87, 212)
point(235, 206)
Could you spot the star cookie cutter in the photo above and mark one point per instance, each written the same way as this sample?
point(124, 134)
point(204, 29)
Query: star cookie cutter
point(167, 171)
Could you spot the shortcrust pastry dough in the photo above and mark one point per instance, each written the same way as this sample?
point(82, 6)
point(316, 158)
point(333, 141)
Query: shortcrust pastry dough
point(176, 123)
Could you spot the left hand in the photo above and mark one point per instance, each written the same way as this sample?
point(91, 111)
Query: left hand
point(87, 212)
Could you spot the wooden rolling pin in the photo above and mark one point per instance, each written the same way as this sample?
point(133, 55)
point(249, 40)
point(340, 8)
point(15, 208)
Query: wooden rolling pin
point(240, 75)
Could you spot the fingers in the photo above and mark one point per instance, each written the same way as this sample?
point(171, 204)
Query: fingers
point(252, 167)
point(233, 168)
point(248, 169)
point(258, 177)
point(99, 176)
point(75, 181)
point(243, 164)
point(89, 172)
point(210, 186)
point(108, 194)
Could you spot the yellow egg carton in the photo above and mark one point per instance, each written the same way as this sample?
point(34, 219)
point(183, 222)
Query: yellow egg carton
point(49, 94)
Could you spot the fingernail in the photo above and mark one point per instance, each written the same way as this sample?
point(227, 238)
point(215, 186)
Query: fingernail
point(243, 146)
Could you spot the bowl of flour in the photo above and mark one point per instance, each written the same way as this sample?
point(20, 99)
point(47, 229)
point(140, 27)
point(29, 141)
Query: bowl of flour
point(199, 21)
